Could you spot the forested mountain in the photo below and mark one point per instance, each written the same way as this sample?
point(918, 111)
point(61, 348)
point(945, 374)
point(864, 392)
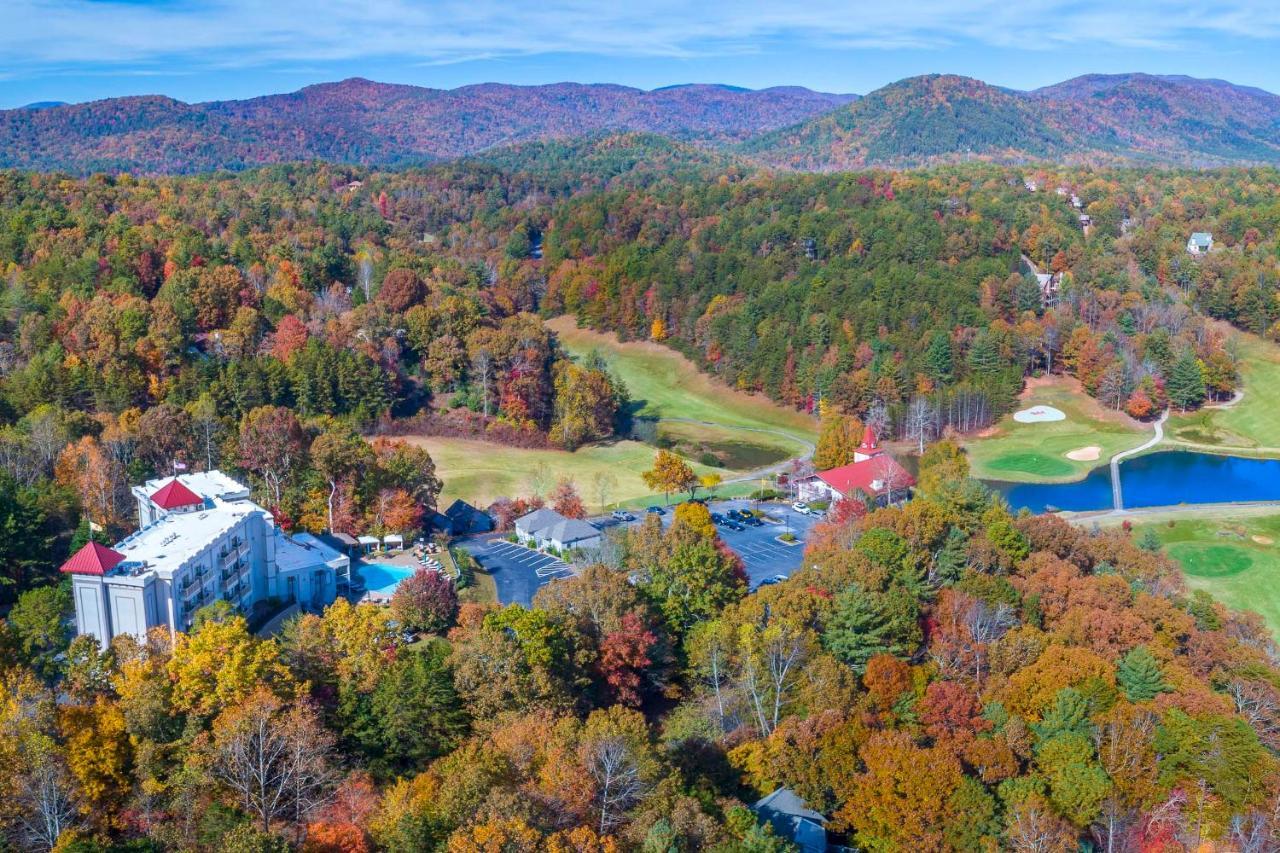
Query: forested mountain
point(937, 118)
point(360, 121)
point(1096, 118)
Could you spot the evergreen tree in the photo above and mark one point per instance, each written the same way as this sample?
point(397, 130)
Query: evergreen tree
point(938, 358)
point(951, 559)
point(1140, 676)
point(1185, 385)
point(1149, 541)
point(984, 356)
point(1027, 294)
point(865, 624)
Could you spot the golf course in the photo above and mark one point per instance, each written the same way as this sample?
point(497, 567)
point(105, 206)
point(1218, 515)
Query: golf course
point(697, 416)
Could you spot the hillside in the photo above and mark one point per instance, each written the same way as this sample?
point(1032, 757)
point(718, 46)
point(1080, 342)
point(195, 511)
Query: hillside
point(360, 121)
point(1095, 118)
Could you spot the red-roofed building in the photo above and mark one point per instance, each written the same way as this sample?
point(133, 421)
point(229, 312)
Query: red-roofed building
point(873, 472)
point(175, 496)
point(92, 559)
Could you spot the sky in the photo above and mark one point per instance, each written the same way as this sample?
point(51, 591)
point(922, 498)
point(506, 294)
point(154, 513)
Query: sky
point(196, 50)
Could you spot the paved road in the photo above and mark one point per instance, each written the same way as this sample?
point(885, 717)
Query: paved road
point(1117, 497)
point(517, 571)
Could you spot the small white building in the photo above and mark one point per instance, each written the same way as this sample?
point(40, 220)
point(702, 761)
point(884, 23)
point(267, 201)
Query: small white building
point(200, 539)
point(1200, 243)
point(546, 528)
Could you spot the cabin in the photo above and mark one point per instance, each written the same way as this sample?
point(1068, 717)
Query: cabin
point(1200, 243)
point(461, 519)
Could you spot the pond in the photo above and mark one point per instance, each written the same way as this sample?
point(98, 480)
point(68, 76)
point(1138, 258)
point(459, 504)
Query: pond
point(1157, 479)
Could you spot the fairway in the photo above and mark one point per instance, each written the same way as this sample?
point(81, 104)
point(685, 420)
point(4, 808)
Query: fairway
point(480, 472)
point(668, 385)
point(1253, 423)
point(1038, 452)
point(1221, 557)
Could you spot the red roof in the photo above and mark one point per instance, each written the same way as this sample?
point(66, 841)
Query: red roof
point(868, 439)
point(173, 495)
point(92, 559)
point(860, 475)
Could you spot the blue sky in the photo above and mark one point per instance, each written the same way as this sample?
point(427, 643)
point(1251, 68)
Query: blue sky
point(76, 50)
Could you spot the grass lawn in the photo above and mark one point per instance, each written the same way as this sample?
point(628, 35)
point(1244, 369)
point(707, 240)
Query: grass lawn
point(1037, 452)
point(1253, 422)
point(1234, 559)
point(668, 385)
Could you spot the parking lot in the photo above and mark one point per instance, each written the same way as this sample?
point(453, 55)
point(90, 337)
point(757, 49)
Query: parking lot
point(762, 554)
point(517, 572)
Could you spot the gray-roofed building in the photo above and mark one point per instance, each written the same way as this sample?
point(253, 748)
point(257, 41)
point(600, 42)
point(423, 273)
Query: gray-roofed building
point(546, 528)
point(461, 518)
point(1200, 243)
point(793, 820)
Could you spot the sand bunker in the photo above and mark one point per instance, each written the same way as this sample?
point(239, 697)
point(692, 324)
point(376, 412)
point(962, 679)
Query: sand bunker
point(1084, 454)
point(1039, 414)
point(1263, 540)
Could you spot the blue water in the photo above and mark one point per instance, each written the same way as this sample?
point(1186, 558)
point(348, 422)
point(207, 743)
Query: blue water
point(1158, 479)
point(381, 577)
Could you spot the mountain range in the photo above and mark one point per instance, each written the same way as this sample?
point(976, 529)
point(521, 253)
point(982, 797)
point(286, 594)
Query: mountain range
point(1125, 118)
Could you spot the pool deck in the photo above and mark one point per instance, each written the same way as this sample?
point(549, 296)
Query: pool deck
point(401, 560)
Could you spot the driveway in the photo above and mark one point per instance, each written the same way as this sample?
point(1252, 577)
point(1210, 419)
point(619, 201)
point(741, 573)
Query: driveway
point(517, 572)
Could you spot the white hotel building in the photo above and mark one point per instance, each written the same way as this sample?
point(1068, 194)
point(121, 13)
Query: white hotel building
point(200, 539)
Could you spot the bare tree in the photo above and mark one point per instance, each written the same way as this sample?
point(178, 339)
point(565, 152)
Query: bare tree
point(612, 764)
point(770, 658)
point(206, 427)
point(877, 417)
point(482, 364)
point(922, 421)
point(364, 274)
point(602, 484)
point(275, 759)
point(890, 474)
point(47, 800)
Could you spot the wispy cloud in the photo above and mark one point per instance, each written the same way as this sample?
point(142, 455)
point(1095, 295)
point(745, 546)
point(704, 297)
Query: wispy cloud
point(51, 36)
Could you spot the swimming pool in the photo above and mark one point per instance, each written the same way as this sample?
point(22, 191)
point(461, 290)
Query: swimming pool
point(381, 577)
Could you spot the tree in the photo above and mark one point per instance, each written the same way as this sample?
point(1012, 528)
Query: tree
point(425, 601)
point(1140, 676)
point(864, 624)
point(338, 454)
point(206, 428)
point(603, 483)
point(565, 500)
point(921, 421)
point(219, 663)
point(97, 478)
point(271, 445)
point(937, 358)
point(1185, 383)
point(670, 474)
point(409, 467)
point(39, 620)
point(838, 438)
point(45, 796)
point(401, 290)
point(414, 714)
point(275, 759)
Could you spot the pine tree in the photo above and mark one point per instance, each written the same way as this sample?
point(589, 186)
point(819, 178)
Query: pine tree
point(938, 358)
point(865, 624)
point(1140, 676)
point(984, 356)
point(1185, 385)
point(952, 558)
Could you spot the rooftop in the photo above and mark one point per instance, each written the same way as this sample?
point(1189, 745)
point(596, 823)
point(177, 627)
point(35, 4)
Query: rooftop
point(206, 484)
point(302, 550)
point(172, 540)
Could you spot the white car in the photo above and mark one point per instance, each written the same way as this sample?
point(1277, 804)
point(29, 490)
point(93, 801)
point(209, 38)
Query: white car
point(801, 507)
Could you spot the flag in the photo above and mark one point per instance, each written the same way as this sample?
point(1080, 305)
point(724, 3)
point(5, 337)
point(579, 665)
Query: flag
point(179, 466)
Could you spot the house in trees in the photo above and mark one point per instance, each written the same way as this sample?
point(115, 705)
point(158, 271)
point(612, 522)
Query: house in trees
point(1200, 243)
point(873, 471)
point(546, 528)
point(200, 539)
point(461, 519)
point(793, 820)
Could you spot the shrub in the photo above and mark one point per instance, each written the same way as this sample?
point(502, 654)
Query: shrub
point(788, 537)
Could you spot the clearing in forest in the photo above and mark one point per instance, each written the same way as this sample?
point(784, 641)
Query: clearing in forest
point(1045, 451)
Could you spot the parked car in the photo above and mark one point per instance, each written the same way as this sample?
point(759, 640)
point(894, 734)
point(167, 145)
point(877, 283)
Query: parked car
point(752, 520)
point(770, 581)
point(740, 514)
point(717, 518)
point(702, 501)
point(801, 507)
point(655, 510)
point(733, 525)
point(622, 515)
